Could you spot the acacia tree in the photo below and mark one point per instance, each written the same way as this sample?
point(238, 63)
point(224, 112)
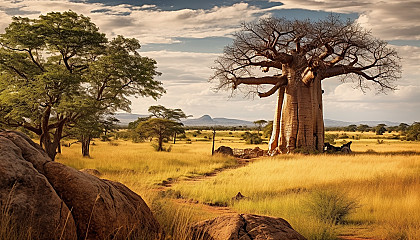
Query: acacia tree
point(56, 69)
point(162, 123)
point(296, 56)
point(260, 124)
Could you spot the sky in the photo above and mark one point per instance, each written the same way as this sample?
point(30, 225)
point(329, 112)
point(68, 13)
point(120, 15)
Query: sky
point(186, 36)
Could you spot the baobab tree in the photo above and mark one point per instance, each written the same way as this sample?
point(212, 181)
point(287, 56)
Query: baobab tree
point(294, 57)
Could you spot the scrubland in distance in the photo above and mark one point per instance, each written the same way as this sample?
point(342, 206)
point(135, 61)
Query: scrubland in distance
point(381, 179)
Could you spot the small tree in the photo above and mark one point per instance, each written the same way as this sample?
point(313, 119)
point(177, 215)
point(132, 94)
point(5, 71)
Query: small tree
point(380, 129)
point(89, 127)
point(413, 132)
point(159, 128)
point(162, 123)
point(260, 124)
point(351, 128)
point(363, 128)
point(403, 127)
point(268, 129)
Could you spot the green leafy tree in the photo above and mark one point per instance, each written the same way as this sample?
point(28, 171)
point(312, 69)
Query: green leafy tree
point(252, 138)
point(159, 128)
point(56, 69)
point(89, 127)
point(351, 128)
point(380, 129)
point(160, 111)
point(162, 123)
point(260, 124)
point(363, 128)
point(403, 127)
point(268, 129)
point(413, 132)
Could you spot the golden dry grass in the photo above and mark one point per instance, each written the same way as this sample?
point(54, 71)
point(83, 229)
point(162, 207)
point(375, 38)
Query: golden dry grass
point(382, 178)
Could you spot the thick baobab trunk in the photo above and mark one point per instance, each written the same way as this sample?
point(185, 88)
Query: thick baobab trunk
point(298, 121)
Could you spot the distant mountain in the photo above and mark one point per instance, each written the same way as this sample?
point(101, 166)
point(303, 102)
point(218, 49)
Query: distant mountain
point(335, 123)
point(206, 120)
point(126, 118)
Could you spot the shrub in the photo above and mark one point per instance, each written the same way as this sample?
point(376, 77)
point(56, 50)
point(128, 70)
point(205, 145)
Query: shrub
point(330, 138)
point(251, 138)
point(330, 206)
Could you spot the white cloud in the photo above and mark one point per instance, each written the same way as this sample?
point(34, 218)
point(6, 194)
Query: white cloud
point(185, 76)
point(147, 23)
point(390, 20)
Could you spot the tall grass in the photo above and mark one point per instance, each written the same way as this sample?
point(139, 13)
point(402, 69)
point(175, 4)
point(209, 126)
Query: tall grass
point(383, 182)
point(384, 187)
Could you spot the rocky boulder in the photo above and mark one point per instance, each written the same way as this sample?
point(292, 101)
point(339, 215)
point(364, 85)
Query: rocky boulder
point(245, 227)
point(41, 191)
point(224, 150)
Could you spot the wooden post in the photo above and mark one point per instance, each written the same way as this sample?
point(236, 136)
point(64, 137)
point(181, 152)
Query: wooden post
point(214, 136)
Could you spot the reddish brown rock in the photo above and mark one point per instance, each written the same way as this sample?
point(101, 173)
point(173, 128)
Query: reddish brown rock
point(26, 195)
point(101, 208)
point(224, 150)
point(44, 191)
point(245, 227)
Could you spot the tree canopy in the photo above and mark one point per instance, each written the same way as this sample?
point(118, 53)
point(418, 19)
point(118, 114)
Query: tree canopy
point(162, 123)
point(326, 48)
point(58, 68)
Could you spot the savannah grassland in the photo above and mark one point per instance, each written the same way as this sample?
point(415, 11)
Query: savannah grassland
point(379, 185)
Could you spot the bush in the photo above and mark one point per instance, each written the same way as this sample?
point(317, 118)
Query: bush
point(164, 149)
point(330, 206)
point(252, 138)
point(330, 138)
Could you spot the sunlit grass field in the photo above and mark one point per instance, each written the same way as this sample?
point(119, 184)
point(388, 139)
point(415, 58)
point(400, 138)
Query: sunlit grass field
point(381, 180)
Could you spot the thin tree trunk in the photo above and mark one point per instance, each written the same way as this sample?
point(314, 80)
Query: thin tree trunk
point(174, 137)
point(160, 143)
point(86, 146)
point(59, 147)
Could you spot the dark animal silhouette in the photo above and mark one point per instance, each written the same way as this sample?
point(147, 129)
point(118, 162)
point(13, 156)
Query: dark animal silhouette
point(345, 148)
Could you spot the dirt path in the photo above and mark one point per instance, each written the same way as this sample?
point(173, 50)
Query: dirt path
point(220, 210)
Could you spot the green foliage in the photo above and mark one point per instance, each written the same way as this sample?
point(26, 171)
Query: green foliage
point(252, 138)
point(413, 132)
point(351, 128)
point(159, 128)
point(268, 129)
point(330, 138)
point(58, 71)
point(363, 128)
point(380, 129)
point(160, 111)
point(330, 206)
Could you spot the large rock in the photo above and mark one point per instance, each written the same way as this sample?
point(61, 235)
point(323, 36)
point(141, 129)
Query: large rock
point(224, 150)
point(43, 192)
point(26, 194)
point(245, 227)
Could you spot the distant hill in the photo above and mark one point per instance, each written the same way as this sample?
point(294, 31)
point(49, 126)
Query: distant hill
point(126, 118)
point(206, 120)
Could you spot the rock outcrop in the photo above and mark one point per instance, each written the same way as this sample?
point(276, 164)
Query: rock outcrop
point(60, 202)
point(245, 227)
point(224, 150)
